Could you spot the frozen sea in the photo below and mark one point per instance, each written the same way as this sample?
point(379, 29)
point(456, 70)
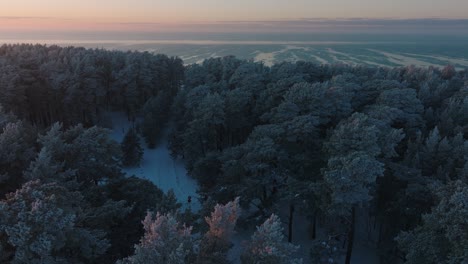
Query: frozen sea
point(378, 50)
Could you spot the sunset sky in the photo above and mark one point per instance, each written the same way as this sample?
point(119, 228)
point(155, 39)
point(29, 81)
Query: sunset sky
point(219, 16)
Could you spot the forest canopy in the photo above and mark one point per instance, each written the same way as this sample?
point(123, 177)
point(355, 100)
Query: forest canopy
point(335, 143)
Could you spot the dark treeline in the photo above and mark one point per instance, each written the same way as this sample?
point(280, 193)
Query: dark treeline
point(333, 142)
point(44, 85)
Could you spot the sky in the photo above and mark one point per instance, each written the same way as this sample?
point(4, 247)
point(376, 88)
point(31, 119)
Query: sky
point(231, 16)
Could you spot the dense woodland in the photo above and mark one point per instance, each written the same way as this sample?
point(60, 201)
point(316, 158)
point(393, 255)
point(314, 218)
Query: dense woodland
point(331, 142)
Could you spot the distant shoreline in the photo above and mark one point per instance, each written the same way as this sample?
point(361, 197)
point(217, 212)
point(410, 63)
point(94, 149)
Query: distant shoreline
point(195, 42)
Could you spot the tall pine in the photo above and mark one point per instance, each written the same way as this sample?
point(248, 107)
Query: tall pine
point(268, 245)
point(131, 148)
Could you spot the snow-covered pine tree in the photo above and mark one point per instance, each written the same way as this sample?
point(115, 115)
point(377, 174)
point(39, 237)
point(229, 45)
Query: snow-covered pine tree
point(156, 114)
point(216, 242)
point(131, 148)
point(268, 245)
point(40, 223)
point(165, 241)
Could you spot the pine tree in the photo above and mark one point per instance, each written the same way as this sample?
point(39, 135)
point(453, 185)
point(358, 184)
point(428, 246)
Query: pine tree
point(40, 223)
point(442, 237)
point(223, 220)
point(216, 242)
point(88, 151)
point(352, 168)
point(16, 151)
point(44, 168)
point(150, 129)
point(156, 114)
point(132, 151)
point(143, 196)
point(164, 242)
point(268, 245)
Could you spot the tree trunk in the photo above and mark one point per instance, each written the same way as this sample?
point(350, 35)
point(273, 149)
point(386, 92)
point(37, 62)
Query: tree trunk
point(380, 233)
point(314, 226)
point(290, 224)
point(349, 250)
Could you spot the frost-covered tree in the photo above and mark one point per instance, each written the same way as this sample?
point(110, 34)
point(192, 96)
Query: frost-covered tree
point(13, 95)
point(164, 241)
point(442, 236)
point(352, 168)
point(150, 129)
point(268, 245)
point(448, 72)
point(223, 220)
point(45, 168)
point(205, 133)
point(89, 151)
point(132, 153)
point(239, 118)
point(406, 105)
point(47, 84)
point(39, 224)
point(155, 115)
point(16, 151)
point(125, 230)
point(216, 242)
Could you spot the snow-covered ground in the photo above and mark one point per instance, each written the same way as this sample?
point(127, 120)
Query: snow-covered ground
point(158, 166)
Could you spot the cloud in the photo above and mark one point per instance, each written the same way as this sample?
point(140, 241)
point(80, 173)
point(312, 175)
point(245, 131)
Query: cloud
point(313, 22)
point(25, 18)
point(312, 25)
point(305, 25)
point(428, 26)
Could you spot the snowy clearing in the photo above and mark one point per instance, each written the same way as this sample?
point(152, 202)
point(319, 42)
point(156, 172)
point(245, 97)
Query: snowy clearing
point(158, 166)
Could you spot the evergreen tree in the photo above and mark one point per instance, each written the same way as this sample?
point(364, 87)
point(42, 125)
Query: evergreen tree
point(143, 196)
point(165, 241)
point(352, 168)
point(216, 242)
point(132, 153)
point(44, 168)
point(150, 129)
point(156, 114)
point(40, 224)
point(90, 152)
point(267, 245)
point(16, 151)
point(442, 236)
